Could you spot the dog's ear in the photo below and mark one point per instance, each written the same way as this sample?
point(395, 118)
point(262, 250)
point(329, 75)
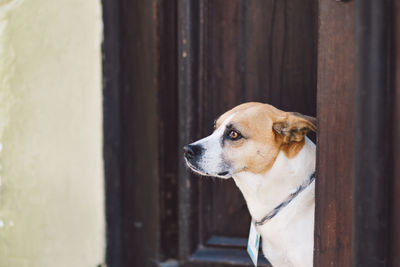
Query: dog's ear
point(294, 126)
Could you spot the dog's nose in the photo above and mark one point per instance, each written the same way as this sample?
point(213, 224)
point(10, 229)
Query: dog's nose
point(191, 151)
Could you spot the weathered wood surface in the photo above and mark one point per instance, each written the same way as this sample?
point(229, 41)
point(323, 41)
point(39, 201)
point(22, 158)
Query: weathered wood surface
point(395, 184)
point(336, 87)
point(171, 67)
point(231, 52)
point(177, 66)
point(372, 157)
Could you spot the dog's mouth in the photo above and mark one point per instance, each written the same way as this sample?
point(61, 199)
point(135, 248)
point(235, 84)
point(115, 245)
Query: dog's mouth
point(196, 169)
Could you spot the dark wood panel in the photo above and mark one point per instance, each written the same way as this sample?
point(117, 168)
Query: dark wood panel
point(335, 102)
point(372, 157)
point(169, 151)
point(281, 54)
point(111, 131)
point(227, 53)
point(139, 134)
point(395, 185)
point(254, 51)
point(221, 200)
point(148, 132)
point(231, 52)
point(188, 76)
point(223, 53)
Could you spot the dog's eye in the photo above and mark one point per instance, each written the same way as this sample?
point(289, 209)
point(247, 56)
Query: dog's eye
point(215, 124)
point(233, 135)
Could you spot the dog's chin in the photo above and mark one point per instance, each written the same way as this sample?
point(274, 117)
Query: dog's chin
point(195, 169)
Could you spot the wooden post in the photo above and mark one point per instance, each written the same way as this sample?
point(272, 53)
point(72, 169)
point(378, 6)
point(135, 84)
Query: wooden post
point(372, 143)
point(335, 109)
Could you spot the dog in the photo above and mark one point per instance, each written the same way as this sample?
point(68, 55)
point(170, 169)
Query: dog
point(267, 153)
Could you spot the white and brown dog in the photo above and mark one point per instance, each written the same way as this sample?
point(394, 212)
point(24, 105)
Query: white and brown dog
point(266, 152)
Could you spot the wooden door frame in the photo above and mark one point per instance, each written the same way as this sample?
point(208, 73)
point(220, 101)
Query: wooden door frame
point(123, 32)
point(335, 240)
point(335, 112)
point(111, 131)
point(139, 59)
point(355, 156)
point(373, 170)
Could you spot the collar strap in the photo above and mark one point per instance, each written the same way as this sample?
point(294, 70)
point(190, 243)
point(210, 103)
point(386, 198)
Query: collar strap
point(286, 202)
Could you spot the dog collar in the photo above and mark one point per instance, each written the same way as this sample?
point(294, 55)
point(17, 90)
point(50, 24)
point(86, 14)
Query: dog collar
point(286, 202)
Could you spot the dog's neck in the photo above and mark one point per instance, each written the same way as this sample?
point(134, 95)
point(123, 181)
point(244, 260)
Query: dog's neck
point(263, 192)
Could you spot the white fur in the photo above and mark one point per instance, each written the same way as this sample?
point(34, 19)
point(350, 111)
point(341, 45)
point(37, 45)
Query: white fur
point(288, 237)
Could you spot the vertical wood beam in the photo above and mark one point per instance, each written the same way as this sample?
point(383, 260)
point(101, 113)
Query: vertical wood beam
point(395, 184)
point(139, 133)
point(373, 143)
point(188, 124)
point(335, 109)
point(111, 131)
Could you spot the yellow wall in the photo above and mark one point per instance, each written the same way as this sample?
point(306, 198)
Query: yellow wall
point(51, 168)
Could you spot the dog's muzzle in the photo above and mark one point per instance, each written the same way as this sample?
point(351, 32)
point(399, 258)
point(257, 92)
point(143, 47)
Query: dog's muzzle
point(194, 156)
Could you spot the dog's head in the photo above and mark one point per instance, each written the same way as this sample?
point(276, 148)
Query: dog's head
point(248, 138)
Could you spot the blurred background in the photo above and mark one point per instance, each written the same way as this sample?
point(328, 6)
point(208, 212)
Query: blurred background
point(97, 99)
point(51, 162)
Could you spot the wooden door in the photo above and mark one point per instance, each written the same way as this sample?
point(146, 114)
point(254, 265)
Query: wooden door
point(231, 52)
point(170, 68)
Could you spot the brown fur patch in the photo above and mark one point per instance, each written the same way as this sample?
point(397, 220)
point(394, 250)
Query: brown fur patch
point(257, 150)
point(293, 148)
